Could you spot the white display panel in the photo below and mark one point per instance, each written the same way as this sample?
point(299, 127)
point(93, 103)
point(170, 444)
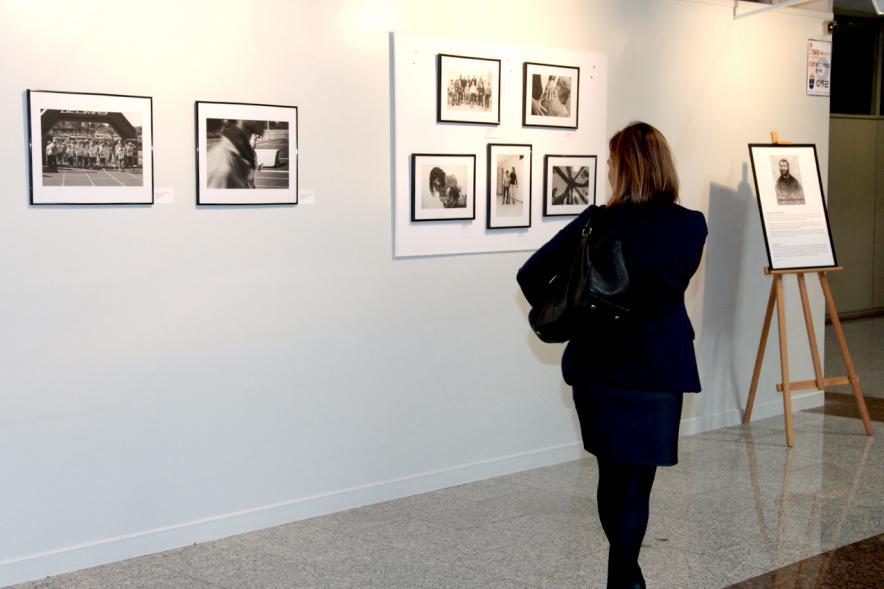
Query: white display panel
point(416, 131)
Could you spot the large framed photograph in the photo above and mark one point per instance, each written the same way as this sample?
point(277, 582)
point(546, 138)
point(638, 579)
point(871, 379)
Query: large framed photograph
point(443, 187)
point(468, 90)
point(793, 209)
point(568, 184)
point(246, 154)
point(550, 95)
point(90, 149)
point(509, 185)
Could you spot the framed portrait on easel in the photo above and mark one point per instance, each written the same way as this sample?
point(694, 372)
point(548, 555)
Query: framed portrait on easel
point(794, 218)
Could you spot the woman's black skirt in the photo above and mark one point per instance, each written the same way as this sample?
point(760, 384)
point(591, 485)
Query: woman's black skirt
point(634, 427)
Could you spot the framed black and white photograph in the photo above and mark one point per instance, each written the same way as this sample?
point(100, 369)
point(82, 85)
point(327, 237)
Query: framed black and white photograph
point(88, 148)
point(794, 219)
point(568, 184)
point(443, 187)
point(246, 154)
point(468, 90)
point(509, 185)
point(550, 95)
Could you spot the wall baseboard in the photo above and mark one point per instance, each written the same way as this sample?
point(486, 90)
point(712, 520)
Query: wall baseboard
point(844, 317)
point(71, 558)
point(800, 402)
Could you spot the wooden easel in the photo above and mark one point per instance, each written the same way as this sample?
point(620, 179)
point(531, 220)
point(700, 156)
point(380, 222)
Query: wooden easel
point(819, 382)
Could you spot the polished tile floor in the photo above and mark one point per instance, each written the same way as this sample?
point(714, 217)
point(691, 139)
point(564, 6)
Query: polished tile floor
point(739, 504)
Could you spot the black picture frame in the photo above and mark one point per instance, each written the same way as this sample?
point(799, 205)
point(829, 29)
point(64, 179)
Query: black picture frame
point(780, 200)
point(458, 170)
point(69, 164)
point(567, 112)
point(449, 99)
point(274, 175)
point(570, 183)
point(494, 220)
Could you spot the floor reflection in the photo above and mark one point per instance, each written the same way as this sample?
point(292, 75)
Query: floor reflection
point(823, 506)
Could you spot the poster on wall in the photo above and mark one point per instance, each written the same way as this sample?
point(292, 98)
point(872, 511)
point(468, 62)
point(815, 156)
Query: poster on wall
point(509, 185)
point(467, 90)
point(246, 154)
point(819, 67)
point(550, 95)
point(568, 184)
point(443, 187)
point(90, 149)
point(793, 210)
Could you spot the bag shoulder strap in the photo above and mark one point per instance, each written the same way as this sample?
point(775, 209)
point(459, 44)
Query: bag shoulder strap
point(593, 212)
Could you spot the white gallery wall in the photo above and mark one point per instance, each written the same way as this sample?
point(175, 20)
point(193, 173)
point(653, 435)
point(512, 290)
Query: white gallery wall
point(173, 374)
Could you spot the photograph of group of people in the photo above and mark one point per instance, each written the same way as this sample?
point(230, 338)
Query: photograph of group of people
point(468, 90)
point(82, 148)
point(88, 148)
point(93, 154)
point(470, 93)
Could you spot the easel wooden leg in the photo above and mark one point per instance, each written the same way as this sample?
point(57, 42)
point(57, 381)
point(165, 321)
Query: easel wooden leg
point(784, 361)
point(848, 362)
point(759, 357)
point(811, 335)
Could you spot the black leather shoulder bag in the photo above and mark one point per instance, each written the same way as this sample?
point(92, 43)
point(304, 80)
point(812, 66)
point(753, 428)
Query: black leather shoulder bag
point(595, 290)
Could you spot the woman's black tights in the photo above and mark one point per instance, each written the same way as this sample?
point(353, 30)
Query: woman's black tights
point(623, 496)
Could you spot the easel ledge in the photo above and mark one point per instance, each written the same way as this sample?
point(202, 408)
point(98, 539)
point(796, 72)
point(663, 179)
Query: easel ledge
point(770, 272)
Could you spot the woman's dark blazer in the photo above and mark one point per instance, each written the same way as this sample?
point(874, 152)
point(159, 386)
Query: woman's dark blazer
point(653, 349)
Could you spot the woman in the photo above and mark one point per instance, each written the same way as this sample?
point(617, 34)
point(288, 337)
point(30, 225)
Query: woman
point(628, 376)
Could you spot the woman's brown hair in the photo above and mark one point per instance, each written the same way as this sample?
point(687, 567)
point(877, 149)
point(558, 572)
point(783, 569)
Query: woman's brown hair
point(643, 166)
